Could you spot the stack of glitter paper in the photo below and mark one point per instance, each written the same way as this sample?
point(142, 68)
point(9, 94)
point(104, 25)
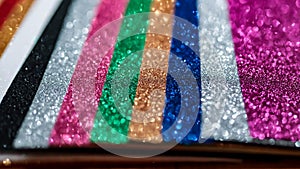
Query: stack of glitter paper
point(77, 72)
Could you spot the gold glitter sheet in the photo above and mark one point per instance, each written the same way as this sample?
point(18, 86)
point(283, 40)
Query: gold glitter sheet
point(13, 22)
point(147, 114)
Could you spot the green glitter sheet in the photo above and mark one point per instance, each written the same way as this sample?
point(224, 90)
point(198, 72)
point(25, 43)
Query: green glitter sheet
point(111, 126)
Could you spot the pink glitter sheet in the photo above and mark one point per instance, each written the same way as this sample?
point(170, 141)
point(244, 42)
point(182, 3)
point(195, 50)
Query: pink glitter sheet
point(79, 107)
point(266, 35)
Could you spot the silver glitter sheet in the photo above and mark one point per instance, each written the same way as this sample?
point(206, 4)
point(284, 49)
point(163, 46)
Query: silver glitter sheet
point(36, 128)
point(224, 117)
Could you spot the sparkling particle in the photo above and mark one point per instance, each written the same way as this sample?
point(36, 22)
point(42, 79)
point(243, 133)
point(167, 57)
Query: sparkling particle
point(49, 97)
point(297, 3)
point(72, 126)
point(269, 66)
point(5, 9)
point(12, 23)
point(183, 93)
point(146, 121)
point(69, 25)
point(222, 102)
point(19, 96)
point(115, 106)
point(7, 162)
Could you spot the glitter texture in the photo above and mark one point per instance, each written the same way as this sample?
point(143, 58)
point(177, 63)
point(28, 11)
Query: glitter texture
point(12, 22)
point(113, 116)
point(36, 128)
point(266, 37)
point(70, 128)
point(6, 6)
point(19, 96)
point(223, 112)
point(183, 97)
point(146, 118)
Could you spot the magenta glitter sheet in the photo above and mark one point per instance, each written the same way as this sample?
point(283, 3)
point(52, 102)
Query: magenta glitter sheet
point(266, 36)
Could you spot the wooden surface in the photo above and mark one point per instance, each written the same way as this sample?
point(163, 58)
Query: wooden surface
point(218, 155)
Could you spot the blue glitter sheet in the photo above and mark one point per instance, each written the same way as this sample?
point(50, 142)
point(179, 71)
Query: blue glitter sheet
point(182, 114)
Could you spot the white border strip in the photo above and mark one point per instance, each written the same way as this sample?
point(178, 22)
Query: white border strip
point(24, 40)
